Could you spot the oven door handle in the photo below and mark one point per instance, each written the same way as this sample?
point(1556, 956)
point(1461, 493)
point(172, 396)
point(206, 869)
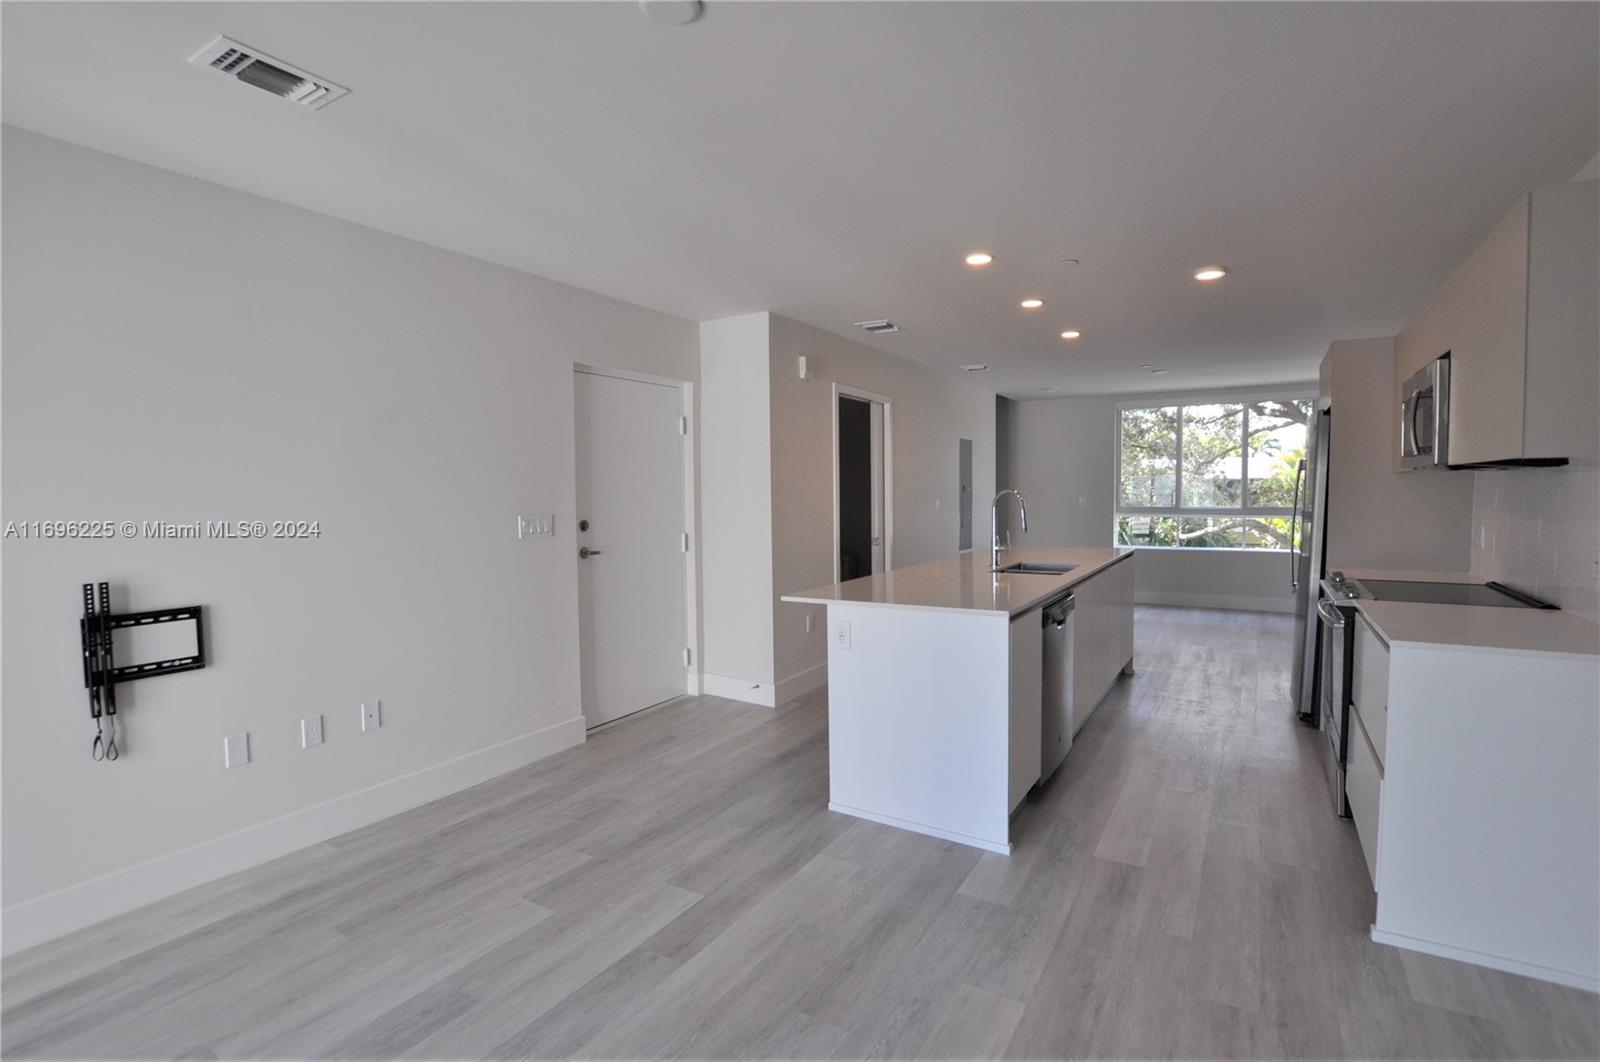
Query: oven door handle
point(1330, 614)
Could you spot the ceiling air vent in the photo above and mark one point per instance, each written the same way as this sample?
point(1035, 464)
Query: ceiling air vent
point(974, 368)
point(244, 63)
point(878, 328)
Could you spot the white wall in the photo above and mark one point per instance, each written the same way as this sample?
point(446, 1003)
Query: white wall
point(736, 503)
point(178, 351)
point(1377, 517)
point(1061, 453)
point(1538, 529)
point(932, 412)
point(767, 474)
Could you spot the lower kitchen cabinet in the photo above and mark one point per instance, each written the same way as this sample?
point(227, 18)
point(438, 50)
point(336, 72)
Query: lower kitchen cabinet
point(1026, 692)
point(1102, 637)
point(1471, 783)
point(1364, 790)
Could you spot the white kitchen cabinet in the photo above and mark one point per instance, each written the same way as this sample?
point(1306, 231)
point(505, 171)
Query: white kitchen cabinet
point(1026, 691)
point(1086, 640)
point(1364, 789)
point(1470, 781)
point(1102, 634)
point(1520, 319)
point(1369, 684)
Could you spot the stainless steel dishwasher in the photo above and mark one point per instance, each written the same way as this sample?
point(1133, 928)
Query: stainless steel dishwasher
point(1056, 706)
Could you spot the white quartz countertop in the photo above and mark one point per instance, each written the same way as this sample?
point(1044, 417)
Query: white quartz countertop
point(1402, 623)
point(964, 583)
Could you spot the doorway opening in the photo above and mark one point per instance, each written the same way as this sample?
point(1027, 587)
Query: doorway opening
point(964, 495)
point(863, 505)
point(632, 535)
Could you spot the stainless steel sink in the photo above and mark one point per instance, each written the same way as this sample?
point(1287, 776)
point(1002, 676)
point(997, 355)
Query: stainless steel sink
point(1033, 568)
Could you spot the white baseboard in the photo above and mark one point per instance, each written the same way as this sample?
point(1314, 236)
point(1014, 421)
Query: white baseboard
point(738, 689)
point(800, 684)
point(917, 827)
point(54, 914)
point(1588, 982)
point(1230, 602)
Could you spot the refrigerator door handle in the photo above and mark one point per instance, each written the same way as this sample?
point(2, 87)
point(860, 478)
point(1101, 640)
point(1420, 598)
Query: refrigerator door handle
point(1294, 518)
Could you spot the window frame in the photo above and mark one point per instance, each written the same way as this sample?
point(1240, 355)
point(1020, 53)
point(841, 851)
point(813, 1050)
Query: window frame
point(1179, 510)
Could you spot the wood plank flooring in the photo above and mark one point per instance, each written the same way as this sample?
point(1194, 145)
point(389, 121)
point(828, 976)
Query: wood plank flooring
point(676, 887)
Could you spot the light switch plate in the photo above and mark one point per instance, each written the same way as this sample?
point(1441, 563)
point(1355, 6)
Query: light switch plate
point(371, 716)
point(536, 525)
point(236, 750)
point(839, 634)
point(310, 731)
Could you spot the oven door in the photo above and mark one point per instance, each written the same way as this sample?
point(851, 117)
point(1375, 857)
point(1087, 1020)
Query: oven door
point(1334, 630)
point(1425, 416)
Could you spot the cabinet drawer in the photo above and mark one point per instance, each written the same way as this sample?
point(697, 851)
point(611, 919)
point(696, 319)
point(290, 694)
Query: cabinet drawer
point(1370, 686)
point(1364, 789)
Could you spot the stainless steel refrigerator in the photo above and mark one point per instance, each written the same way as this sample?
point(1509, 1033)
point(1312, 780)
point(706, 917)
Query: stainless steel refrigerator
point(1307, 558)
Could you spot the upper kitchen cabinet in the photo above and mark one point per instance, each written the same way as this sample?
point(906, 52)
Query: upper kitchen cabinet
point(1520, 320)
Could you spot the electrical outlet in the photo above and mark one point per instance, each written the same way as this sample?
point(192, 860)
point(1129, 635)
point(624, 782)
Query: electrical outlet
point(839, 634)
point(310, 731)
point(371, 716)
point(236, 750)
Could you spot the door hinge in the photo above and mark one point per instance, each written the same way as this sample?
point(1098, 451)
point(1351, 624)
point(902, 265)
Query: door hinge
point(687, 657)
point(683, 425)
point(686, 542)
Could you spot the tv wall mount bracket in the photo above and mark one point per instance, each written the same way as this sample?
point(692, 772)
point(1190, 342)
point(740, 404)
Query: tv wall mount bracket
point(100, 670)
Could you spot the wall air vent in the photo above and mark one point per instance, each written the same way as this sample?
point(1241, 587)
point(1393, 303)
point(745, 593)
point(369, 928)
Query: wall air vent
point(878, 328)
point(252, 67)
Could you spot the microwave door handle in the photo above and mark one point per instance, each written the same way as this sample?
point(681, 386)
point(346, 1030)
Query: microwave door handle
point(1294, 518)
point(1408, 426)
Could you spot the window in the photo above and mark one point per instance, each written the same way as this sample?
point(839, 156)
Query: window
point(1217, 474)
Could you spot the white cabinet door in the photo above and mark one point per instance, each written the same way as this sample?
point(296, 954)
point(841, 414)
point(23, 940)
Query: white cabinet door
point(1364, 789)
point(1369, 683)
point(1124, 613)
point(1026, 697)
point(1085, 634)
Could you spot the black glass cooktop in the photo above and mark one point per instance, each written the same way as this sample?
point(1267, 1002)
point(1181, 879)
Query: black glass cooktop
point(1449, 593)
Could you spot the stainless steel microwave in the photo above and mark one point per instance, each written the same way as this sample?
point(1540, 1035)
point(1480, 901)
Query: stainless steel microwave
point(1425, 417)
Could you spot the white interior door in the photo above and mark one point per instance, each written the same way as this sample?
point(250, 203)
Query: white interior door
point(632, 603)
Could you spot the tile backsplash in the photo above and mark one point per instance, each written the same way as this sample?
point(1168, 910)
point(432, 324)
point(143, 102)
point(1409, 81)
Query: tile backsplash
point(1538, 529)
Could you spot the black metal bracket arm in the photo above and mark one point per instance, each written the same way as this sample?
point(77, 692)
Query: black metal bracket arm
point(100, 671)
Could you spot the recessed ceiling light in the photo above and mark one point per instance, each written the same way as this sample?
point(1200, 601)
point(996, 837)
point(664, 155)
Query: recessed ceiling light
point(1071, 333)
point(1210, 273)
point(1031, 303)
point(974, 368)
point(979, 259)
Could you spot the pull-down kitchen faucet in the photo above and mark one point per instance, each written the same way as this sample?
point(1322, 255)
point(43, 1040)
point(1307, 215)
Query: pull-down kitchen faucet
point(994, 524)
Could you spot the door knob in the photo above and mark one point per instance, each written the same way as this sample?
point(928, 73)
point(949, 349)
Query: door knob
point(585, 553)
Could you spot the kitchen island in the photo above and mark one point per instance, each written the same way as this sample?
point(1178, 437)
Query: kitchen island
point(936, 683)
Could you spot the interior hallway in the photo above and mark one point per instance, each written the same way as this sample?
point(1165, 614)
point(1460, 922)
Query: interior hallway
point(677, 887)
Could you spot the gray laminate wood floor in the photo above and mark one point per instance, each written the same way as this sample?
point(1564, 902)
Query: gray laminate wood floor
point(677, 887)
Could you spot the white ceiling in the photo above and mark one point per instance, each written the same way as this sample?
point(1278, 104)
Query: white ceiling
point(834, 162)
